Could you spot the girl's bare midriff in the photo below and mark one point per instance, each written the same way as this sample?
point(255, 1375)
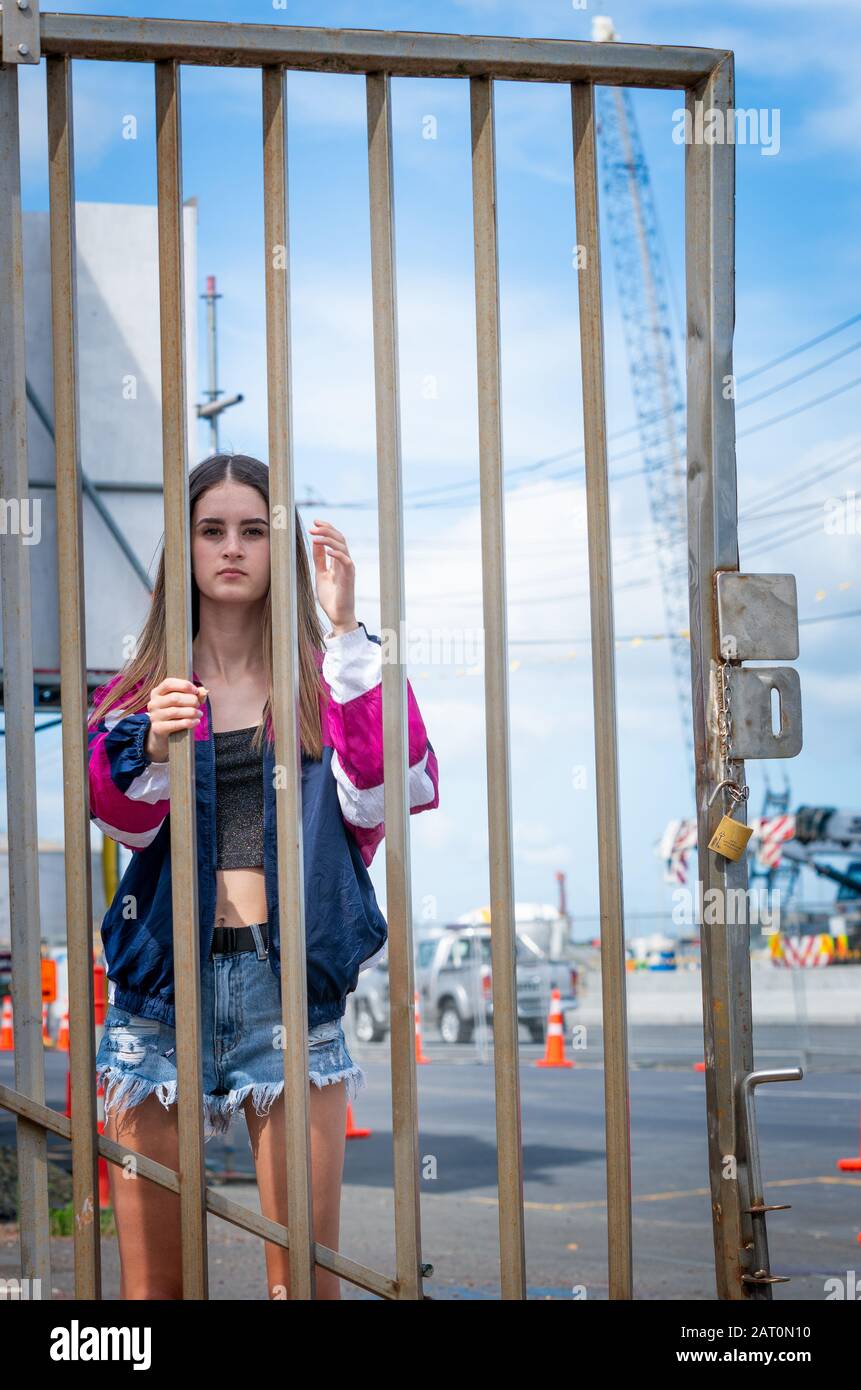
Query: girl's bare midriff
point(240, 897)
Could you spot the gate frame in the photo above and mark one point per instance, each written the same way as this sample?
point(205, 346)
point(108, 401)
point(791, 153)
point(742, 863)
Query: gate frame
point(705, 75)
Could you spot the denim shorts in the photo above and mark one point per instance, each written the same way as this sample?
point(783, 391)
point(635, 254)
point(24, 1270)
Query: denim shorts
point(242, 1046)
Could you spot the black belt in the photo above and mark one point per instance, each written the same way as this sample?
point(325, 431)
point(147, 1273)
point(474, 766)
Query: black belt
point(226, 941)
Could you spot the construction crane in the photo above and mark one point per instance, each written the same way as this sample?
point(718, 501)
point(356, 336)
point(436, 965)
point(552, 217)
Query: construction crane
point(770, 869)
point(655, 381)
point(784, 843)
point(830, 831)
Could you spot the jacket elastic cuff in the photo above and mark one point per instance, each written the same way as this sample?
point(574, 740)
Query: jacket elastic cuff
point(139, 743)
point(345, 640)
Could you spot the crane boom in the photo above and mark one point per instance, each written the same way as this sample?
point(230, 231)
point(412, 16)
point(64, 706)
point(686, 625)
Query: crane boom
point(655, 380)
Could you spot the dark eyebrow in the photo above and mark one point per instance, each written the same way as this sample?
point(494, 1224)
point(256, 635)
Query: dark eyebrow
point(219, 521)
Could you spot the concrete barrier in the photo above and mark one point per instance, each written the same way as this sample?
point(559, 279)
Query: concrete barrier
point(830, 995)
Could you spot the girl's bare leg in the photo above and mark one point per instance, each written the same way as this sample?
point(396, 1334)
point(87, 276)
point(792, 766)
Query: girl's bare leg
point(328, 1124)
point(147, 1216)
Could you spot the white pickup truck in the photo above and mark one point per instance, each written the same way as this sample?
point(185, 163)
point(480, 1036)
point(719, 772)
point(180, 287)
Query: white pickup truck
point(454, 981)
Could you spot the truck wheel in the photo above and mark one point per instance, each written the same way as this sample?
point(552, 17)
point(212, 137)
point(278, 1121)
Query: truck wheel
point(366, 1026)
point(453, 1028)
point(536, 1032)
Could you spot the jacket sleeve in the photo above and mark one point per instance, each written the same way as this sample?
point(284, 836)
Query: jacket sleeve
point(352, 670)
point(129, 793)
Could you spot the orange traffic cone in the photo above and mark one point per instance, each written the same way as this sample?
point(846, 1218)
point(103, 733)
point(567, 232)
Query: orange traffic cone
point(352, 1131)
point(851, 1165)
point(420, 1057)
point(104, 1180)
point(699, 1066)
point(7, 1037)
point(554, 1055)
point(63, 1035)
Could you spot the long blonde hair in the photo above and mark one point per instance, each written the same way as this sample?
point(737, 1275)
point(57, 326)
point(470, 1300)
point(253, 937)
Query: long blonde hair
point(148, 667)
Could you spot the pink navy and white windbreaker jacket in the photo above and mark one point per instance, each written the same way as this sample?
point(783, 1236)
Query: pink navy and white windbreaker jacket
point(342, 826)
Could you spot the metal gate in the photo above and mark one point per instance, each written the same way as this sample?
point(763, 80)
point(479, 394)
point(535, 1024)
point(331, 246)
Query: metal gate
point(732, 618)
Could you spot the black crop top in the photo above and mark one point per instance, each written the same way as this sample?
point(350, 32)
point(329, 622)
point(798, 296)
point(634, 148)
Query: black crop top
point(238, 800)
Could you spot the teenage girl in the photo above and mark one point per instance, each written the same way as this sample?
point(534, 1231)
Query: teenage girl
point(227, 705)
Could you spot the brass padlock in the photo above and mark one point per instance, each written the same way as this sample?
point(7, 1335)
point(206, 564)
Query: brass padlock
point(731, 837)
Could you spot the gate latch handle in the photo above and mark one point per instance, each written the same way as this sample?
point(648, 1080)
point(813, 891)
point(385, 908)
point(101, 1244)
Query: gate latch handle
point(758, 1207)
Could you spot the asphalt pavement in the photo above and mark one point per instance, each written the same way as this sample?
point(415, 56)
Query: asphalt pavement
point(804, 1128)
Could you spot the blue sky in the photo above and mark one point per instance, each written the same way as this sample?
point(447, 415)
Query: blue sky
point(798, 256)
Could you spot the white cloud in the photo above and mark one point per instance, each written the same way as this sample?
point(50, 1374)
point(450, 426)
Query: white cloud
point(832, 694)
point(436, 830)
point(547, 856)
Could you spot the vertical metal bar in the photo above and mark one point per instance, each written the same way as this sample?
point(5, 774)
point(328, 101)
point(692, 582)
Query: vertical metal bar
point(285, 645)
point(405, 1138)
point(712, 546)
point(614, 1011)
point(73, 678)
point(506, 1051)
point(18, 704)
point(183, 825)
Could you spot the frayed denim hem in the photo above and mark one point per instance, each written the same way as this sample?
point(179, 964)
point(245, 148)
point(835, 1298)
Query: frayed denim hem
point(353, 1077)
point(221, 1109)
point(264, 1095)
point(124, 1090)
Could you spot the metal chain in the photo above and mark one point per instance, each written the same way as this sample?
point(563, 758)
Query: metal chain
point(724, 724)
point(725, 718)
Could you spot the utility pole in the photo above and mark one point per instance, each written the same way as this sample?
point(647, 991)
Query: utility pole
point(561, 929)
point(212, 410)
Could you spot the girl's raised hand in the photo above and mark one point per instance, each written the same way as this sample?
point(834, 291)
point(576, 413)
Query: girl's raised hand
point(336, 586)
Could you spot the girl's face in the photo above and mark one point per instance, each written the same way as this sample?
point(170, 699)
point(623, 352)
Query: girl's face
point(230, 543)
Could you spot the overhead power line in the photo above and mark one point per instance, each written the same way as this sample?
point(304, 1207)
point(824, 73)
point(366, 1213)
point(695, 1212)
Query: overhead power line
point(465, 492)
point(802, 347)
point(586, 641)
point(798, 409)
